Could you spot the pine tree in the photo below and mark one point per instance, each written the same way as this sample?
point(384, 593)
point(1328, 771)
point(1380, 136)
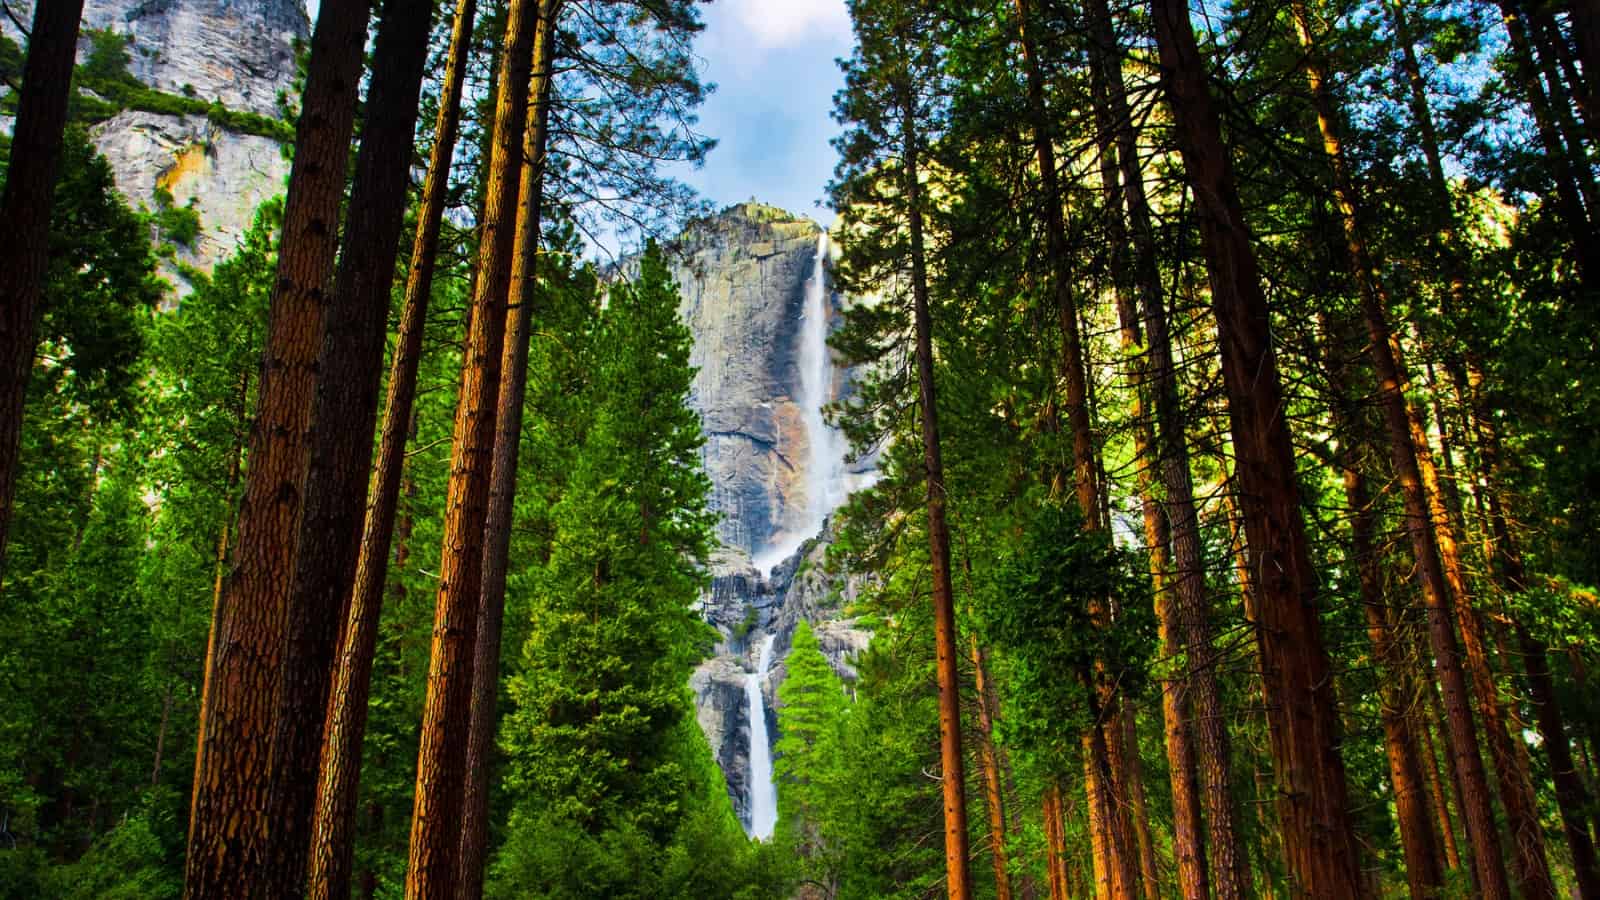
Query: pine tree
point(811, 710)
point(600, 696)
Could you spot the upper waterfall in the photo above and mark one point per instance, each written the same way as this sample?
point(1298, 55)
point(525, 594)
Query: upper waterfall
point(824, 476)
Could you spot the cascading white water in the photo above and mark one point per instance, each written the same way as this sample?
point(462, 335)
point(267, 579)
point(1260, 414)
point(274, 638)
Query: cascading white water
point(763, 806)
point(825, 478)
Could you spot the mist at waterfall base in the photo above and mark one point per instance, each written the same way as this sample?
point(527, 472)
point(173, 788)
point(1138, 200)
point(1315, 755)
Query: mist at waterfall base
point(826, 487)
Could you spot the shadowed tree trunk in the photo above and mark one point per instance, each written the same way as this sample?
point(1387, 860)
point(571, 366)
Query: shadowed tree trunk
point(441, 757)
point(1319, 844)
point(345, 726)
point(1115, 861)
point(349, 367)
point(229, 841)
point(507, 442)
point(25, 221)
point(988, 759)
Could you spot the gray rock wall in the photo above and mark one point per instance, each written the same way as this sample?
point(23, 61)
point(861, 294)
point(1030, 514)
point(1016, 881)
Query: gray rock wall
point(240, 53)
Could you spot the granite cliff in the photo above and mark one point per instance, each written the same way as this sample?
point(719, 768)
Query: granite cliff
point(233, 55)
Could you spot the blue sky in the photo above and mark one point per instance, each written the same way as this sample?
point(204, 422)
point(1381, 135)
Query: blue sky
point(773, 64)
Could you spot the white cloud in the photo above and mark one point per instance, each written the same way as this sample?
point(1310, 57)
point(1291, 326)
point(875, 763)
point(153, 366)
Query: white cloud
point(782, 23)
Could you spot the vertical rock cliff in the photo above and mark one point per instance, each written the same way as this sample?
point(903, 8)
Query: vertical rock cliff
point(236, 55)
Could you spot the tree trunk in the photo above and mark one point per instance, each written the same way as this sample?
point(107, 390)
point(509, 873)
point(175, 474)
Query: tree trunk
point(1318, 839)
point(218, 579)
point(345, 726)
point(1171, 514)
point(349, 367)
point(1510, 576)
point(1410, 457)
point(161, 735)
point(988, 759)
point(25, 221)
point(503, 481)
point(952, 765)
point(436, 818)
point(232, 823)
point(1055, 844)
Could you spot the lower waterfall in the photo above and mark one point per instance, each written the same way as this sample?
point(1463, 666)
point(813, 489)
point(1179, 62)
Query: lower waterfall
point(763, 791)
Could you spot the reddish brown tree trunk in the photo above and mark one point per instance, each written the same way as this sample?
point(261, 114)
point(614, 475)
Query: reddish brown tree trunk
point(503, 481)
point(219, 574)
point(345, 726)
point(1114, 857)
point(989, 760)
point(1424, 872)
point(952, 765)
point(349, 367)
point(1055, 844)
point(232, 822)
point(432, 872)
point(25, 221)
point(1318, 839)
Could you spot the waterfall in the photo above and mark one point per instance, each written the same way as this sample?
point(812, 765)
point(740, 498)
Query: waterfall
point(825, 478)
point(763, 805)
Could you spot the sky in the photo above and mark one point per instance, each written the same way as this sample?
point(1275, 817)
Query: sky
point(773, 64)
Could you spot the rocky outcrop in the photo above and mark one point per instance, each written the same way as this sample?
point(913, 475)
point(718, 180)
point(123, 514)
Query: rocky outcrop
point(226, 175)
point(239, 54)
point(742, 276)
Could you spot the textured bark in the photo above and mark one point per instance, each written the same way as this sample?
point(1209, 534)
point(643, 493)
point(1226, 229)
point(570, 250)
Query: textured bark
point(25, 221)
point(1319, 844)
point(1510, 575)
point(989, 761)
point(1505, 560)
point(503, 480)
point(1423, 725)
point(436, 817)
point(228, 843)
point(952, 767)
point(1170, 513)
point(1409, 456)
point(1055, 844)
point(343, 414)
point(345, 725)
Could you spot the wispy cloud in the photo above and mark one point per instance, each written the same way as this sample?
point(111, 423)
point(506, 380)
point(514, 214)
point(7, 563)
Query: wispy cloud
point(783, 23)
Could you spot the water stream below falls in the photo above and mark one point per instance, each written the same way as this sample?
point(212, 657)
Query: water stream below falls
point(763, 791)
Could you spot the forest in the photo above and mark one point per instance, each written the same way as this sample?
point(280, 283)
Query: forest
point(1231, 371)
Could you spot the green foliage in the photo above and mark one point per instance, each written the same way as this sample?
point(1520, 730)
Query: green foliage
point(603, 748)
point(811, 719)
point(178, 224)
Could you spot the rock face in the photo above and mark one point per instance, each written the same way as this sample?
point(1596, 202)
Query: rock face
point(743, 275)
point(226, 175)
point(238, 53)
